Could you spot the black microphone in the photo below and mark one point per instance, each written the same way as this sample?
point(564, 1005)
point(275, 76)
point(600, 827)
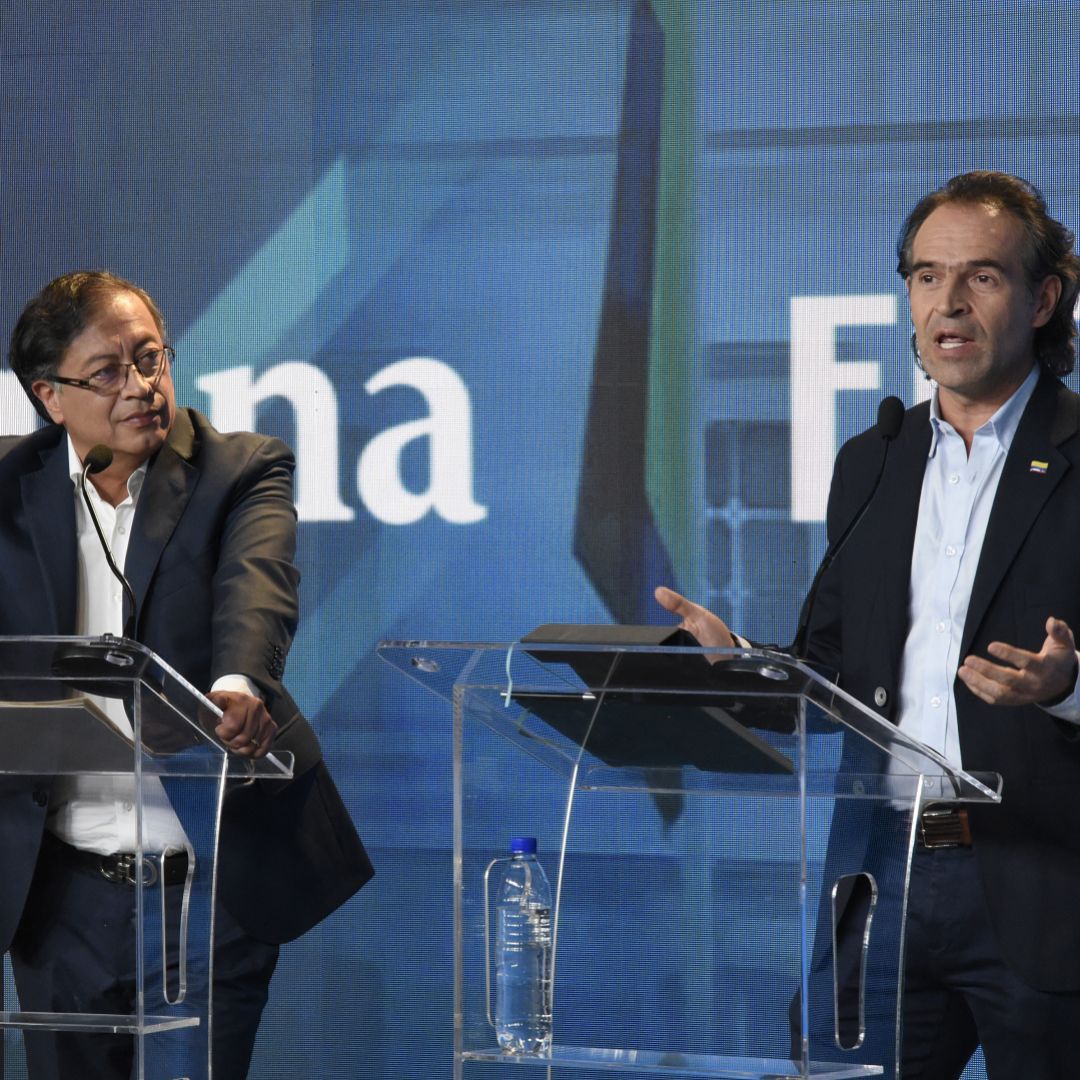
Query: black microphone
point(98, 460)
point(890, 417)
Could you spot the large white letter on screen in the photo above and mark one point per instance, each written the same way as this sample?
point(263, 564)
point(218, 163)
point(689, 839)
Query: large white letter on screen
point(448, 429)
point(17, 416)
point(816, 379)
point(233, 396)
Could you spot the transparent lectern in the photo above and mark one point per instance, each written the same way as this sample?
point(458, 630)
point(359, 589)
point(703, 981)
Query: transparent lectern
point(108, 708)
point(729, 838)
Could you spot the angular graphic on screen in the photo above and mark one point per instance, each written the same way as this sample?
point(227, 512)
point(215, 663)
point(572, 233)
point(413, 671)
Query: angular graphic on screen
point(615, 535)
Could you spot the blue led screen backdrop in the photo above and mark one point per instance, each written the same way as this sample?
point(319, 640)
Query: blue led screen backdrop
point(555, 300)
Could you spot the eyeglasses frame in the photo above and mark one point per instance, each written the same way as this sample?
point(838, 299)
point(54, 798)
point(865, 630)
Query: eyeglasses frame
point(167, 351)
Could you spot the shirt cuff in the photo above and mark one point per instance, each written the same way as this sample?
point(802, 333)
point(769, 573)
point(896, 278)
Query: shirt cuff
point(1069, 707)
point(241, 684)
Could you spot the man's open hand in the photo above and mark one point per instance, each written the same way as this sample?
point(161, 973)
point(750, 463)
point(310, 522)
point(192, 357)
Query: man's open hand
point(707, 628)
point(1025, 678)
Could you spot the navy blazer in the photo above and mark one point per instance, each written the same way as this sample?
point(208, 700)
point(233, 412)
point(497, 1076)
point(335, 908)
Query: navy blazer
point(210, 561)
point(1028, 848)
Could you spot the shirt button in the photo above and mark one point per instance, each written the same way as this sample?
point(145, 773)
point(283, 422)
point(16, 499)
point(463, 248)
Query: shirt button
point(936, 701)
point(940, 627)
point(880, 696)
point(954, 479)
point(121, 530)
point(128, 807)
point(950, 550)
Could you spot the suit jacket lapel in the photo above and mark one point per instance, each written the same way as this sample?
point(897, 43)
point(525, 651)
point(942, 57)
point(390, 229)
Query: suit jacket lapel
point(168, 487)
point(894, 529)
point(48, 497)
point(1048, 420)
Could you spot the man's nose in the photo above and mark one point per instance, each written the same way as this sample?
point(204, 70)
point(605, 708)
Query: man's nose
point(138, 385)
point(953, 297)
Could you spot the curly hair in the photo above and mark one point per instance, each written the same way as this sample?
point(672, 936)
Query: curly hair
point(1049, 250)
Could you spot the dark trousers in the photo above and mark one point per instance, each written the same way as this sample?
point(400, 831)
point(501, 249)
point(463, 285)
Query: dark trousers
point(959, 992)
point(74, 951)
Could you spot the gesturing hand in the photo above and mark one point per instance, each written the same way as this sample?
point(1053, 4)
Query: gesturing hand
point(1025, 678)
point(707, 628)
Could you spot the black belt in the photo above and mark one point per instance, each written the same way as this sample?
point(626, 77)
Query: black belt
point(121, 869)
point(942, 825)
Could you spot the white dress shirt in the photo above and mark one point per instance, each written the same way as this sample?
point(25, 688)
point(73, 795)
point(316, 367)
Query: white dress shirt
point(957, 496)
point(97, 813)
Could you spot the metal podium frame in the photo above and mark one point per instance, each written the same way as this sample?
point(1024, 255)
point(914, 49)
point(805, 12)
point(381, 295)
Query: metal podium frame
point(773, 797)
point(57, 695)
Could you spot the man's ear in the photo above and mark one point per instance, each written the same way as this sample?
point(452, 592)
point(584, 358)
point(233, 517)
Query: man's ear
point(1047, 297)
point(49, 395)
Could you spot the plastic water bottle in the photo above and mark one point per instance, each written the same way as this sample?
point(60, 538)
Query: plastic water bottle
point(523, 953)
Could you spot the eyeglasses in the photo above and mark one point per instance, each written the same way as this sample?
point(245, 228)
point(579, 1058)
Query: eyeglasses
point(110, 379)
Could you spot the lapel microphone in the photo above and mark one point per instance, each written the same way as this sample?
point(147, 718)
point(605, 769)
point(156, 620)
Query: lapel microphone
point(890, 417)
point(98, 460)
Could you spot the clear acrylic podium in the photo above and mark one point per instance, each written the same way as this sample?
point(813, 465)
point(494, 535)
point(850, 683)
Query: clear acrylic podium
point(60, 702)
point(729, 844)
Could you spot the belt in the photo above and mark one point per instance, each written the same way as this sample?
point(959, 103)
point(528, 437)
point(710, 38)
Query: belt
point(944, 826)
point(121, 869)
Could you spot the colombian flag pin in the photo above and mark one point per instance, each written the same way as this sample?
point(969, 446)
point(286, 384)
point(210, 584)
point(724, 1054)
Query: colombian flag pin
point(1039, 467)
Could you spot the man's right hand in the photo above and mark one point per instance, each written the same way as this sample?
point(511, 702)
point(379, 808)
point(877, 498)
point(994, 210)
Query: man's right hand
point(707, 628)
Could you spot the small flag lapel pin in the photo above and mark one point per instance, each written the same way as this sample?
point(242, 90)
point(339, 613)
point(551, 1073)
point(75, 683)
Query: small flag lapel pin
point(1039, 467)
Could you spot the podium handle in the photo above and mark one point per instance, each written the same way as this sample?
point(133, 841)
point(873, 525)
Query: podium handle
point(182, 950)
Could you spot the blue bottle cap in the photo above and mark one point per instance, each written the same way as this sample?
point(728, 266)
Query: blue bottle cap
point(523, 845)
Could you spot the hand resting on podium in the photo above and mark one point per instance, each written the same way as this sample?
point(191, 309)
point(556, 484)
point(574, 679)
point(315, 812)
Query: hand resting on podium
point(246, 727)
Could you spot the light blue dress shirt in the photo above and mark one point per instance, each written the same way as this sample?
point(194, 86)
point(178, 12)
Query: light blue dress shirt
point(957, 496)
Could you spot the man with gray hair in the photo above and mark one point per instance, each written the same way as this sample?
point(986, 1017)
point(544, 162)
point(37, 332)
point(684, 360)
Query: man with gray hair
point(204, 526)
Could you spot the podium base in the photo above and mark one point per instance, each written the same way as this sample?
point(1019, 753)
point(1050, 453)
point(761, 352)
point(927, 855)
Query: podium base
point(116, 1023)
point(717, 1067)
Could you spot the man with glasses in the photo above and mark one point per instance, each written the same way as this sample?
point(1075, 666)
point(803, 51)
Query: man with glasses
point(204, 526)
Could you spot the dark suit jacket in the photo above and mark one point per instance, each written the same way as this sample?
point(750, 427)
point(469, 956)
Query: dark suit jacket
point(1028, 848)
point(210, 561)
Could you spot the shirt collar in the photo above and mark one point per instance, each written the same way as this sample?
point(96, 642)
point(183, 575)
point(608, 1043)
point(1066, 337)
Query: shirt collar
point(1001, 426)
point(75, 468)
